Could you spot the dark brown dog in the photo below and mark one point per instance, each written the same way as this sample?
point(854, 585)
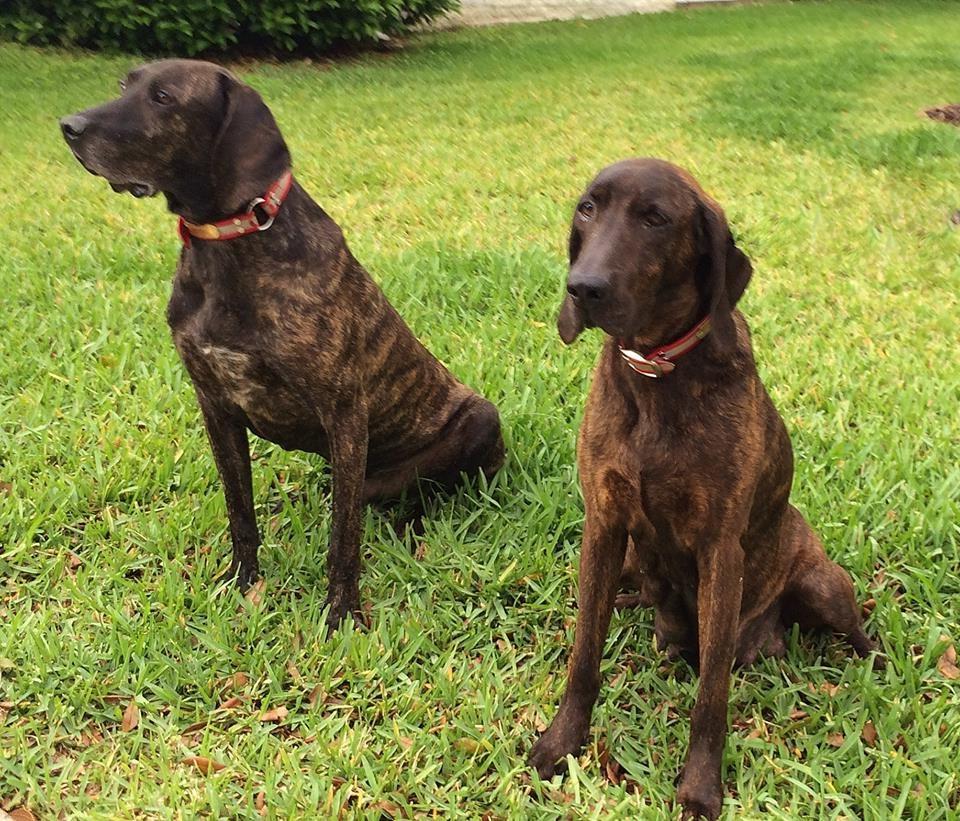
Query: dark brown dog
point(686, 477)
point(282, 331)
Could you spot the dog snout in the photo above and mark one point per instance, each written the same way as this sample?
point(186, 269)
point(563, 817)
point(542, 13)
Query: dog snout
point(73, 126)
point(588, 290)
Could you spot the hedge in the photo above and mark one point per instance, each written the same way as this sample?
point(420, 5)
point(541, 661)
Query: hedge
point(192, 27)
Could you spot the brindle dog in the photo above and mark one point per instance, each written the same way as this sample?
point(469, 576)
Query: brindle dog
point(685, 477)
point(282, 331)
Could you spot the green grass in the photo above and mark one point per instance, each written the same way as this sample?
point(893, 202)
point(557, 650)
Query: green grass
point(452, 167)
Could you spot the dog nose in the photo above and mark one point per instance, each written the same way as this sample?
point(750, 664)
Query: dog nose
point(73, 126)
point(589, 290)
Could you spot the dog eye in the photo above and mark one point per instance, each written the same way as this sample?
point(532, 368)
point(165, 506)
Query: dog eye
point(123, 86)
point(654, 219)
point(160, 96)
point(586, 209)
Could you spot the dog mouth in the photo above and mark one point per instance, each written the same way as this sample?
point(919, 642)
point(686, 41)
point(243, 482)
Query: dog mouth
point(137, 189)
point(608, 322)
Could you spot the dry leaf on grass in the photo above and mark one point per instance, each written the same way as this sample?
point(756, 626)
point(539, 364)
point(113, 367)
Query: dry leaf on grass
point(742, 725)
point(260, 802)
point(294, 673)
point(947, 664)
point(131, 717)
point(613, 770)
point(387, 808)
point(197, 725)
point(869, 734)
point(205, 765)
point(835, 739)
point(230, 703)
point(949, 113)
point(238, 680)
point(276, 714)
point(255, 594)
point(21, 814)
point(609, 765)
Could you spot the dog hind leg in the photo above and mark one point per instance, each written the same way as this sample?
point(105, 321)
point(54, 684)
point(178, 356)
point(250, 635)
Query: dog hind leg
point(820, 594)
point(471, 444)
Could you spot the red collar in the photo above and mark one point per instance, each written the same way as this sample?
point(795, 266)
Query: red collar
point(659, 361)
point(240, 225)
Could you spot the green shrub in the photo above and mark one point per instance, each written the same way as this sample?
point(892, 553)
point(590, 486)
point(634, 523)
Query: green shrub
point(192, 27)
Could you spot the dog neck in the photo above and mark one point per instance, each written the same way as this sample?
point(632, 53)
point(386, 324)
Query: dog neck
point(702, 368)
point(259, 216)
point(662, 360)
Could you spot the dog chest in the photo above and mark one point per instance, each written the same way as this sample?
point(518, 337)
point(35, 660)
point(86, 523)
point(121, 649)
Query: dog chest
point(237, 373)
point(242, 377)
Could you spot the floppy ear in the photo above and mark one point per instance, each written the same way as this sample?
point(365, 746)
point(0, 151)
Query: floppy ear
point(728, 272)
point(570, 320)
point(249, 153)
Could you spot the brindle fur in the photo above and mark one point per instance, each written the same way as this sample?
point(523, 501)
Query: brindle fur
point(283, 332)
point(686, 478)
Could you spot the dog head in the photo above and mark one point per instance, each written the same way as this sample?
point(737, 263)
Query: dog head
point(186, 128)
point(650, 254)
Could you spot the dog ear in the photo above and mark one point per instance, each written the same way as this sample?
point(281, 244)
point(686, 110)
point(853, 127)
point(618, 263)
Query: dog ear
point(727, 275)
point(249, 153)
point(570, 321)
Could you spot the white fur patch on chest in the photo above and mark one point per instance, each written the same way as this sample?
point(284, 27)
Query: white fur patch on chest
point(236, 372)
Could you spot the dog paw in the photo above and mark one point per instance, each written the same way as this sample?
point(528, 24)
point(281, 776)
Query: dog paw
point(548, 755)
point(546, 758)
point(866, 648)
point(699, 798)
point(244, 574)
point(339, 611)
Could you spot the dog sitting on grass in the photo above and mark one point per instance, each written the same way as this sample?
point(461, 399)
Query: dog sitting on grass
point(685, 464)
point(283, 332)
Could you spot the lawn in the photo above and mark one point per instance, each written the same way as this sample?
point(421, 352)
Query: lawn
point(452, 167)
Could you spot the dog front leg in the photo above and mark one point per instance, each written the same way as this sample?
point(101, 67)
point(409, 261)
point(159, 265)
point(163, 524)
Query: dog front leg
point(720, 586)
point(231, 452)
point(348, 436)
point(601, 560)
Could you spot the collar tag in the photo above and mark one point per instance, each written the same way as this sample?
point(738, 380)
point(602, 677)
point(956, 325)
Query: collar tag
point(659, 362)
